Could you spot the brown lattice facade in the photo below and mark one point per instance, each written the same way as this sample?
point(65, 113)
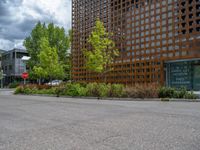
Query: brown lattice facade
point(148, 33)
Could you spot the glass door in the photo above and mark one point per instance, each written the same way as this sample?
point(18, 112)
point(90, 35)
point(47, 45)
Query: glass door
point(196, 78)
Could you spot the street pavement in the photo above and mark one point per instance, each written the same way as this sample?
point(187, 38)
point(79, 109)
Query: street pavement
point(45, 123)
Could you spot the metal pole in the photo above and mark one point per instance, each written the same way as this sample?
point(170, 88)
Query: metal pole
point(25, 71)
point(2, 79)
point(2, 83)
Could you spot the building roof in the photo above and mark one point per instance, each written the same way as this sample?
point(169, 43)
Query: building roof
point(2, 51)
point(15, 50)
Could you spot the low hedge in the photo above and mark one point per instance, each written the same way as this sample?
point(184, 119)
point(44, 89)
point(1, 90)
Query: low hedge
point(181, 93)
point(75, 89)
point(30, 89)
point(107, 90)
point(142, 91)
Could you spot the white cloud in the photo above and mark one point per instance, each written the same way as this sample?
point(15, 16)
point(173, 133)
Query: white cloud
point(6, 44)
point(59, 10)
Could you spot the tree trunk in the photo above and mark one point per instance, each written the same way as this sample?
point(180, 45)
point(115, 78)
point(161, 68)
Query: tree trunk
point(105, 78)
point(50, 81)
point(39, 81)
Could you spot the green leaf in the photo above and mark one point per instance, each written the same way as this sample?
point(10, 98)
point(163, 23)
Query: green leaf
point(103, 52)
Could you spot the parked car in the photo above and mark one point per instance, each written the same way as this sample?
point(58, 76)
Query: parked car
point(55, 82)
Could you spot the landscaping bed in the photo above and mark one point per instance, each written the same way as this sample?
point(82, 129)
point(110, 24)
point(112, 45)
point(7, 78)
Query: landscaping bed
point(107, 91)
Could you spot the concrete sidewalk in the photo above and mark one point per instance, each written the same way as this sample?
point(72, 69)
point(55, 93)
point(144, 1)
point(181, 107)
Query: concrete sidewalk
point(7, 91)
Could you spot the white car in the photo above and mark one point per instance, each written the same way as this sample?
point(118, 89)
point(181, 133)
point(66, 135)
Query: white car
point(55, 82)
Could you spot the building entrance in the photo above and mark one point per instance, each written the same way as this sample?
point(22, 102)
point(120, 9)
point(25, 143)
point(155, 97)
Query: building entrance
point(183, 73)
point(196, 77)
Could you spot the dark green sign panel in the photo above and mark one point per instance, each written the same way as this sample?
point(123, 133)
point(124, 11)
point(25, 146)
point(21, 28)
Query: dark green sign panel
point(180, 74)
point(196, 78)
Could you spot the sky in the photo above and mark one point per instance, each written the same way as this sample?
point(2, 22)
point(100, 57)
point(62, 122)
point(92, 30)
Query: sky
point(18, 17)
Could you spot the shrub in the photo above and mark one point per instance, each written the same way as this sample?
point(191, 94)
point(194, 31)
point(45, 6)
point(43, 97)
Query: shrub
point(27, 90)
point(117, 90)
point(190, 95)
point(92, 89)
point(34, 89)
point(72, 89)
point(82, 91)
point(103, 90)
point(180, 93)
point(19, 90)
point(14, 85)
point(45, 91)
point(142, 91)
point(166, 92)
point(44, 86)
point(60, 90)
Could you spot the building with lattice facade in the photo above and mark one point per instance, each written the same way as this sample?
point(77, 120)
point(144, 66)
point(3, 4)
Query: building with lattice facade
point(158, 40)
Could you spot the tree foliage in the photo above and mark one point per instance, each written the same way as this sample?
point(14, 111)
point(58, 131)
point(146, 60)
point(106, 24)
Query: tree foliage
point(57, 40)
point(49, 66)
point(103, 52)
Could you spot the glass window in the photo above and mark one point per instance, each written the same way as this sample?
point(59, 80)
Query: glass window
point(158, 37)
point(164, 3)
point(158, 11)
point(169, 14)
point(163, 22)
point(19, 55)
point(152, 31)
point(158, 30)
point(146, 20)
point(164, 16)
point(170, 21)
point(164, 29)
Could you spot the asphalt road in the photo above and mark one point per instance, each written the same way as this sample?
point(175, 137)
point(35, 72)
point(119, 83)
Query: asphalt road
point(43, 123)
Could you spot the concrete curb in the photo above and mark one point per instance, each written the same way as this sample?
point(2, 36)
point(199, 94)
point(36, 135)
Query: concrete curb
point(117, 99)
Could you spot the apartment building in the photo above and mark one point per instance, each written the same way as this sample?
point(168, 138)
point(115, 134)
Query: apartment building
point(12, 65)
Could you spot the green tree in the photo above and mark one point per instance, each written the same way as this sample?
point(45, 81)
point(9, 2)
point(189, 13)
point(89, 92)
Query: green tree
point(49, 66)
point(100, 58)
point(56, 38)
point(32, 43)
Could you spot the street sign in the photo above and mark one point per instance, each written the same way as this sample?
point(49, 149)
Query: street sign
point(25, 75)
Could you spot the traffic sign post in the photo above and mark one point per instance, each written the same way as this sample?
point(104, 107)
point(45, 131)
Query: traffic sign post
point(25, 76)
